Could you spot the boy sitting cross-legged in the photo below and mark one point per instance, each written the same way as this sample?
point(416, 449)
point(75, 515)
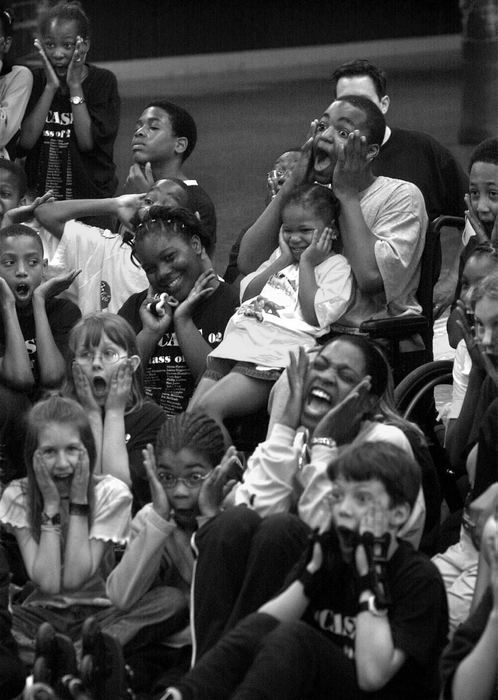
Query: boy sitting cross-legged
point(365, 614)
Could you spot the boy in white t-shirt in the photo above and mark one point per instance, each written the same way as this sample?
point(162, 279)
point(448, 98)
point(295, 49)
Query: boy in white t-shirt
point(108, 274)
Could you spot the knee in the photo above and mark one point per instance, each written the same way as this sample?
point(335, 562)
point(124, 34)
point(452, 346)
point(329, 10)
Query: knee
point(295, 634)
point(233, 527)
point(283, 529)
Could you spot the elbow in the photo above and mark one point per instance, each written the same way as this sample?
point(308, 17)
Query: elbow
point(370, 283)
point(22, 384)
point(370, 679)
point(86, 146)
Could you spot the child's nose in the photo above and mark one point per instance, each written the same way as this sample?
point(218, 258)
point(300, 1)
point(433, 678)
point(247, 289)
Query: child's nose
point(21, 269)
point(482, 204)
point(346, 506)
point(180, 489)
point(61, 459)
point(97, 360)
point(487, 338)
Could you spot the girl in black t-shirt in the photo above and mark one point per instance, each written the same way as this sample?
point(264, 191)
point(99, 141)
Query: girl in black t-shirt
point(73, 113)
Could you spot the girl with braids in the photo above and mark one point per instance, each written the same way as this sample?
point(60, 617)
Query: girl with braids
point(15, 88)
point(187, 474)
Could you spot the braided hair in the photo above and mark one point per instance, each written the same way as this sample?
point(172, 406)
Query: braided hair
point(194, 430)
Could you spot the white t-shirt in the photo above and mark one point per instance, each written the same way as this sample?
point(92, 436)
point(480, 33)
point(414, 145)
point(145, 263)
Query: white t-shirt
point(267, 327)
point(108, 276)
point(394, 211)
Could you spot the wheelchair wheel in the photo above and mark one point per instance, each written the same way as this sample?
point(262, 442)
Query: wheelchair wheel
point(414, 399)
point(415, 387)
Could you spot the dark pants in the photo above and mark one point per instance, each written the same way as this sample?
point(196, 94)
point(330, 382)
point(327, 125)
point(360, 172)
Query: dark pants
point(12, 674)
point(262, 659)
point(243, 561)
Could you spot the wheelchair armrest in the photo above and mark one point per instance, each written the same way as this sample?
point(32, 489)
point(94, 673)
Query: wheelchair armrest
point(395, 327)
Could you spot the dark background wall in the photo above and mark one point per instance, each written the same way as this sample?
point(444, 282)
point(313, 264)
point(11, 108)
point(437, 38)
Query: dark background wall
point(127, 29)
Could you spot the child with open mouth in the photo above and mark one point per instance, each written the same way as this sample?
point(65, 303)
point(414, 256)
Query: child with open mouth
point(105, 375)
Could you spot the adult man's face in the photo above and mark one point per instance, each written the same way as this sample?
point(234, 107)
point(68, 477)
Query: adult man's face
point(334, 127)
point(362, 85)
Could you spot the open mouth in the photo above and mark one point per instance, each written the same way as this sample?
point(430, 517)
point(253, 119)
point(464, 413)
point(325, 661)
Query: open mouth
point(348, 540)
point(322, 161)
point(22, 290)
point(99, 386)
point(297, 252)
point(319, 400)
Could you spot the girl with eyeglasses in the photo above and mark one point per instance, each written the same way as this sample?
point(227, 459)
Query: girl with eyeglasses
point(105, 376)
point(188, 475)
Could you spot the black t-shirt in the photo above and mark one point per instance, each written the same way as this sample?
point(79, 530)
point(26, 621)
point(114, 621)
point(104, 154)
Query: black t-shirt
point(418, 618)
point(419, 158)
point(55, 161)
point(141, 427)
point(168, 380)
point(62, 314)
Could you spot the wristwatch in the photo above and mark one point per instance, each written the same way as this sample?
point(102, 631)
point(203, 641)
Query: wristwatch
point(50, 519)
point(371, 605)
point(76, 100)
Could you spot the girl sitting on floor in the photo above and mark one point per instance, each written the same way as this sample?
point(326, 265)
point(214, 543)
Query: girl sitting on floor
point(65, 520)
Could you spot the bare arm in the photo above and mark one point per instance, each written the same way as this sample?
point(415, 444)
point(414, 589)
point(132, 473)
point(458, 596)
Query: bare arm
point(15, 366)
point(43, 558)
point(53, 215)
point(114, 453)
point(194, 348)
point(377, 660)
point(261, 239)
point(477, 674)
point(318, 251)
point(81, 554)
point(50, 360)
point(351, 175)
point(153, 329)
point(259, 280)
point(33, 124)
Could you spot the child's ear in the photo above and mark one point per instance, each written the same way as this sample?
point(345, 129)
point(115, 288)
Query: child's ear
point(399, 514)
point(135, 362)
point(196, 244)
point(372, 151)
point(181, 144)
point(7, 43)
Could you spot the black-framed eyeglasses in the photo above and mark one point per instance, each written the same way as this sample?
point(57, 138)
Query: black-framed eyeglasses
point(169, 481)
